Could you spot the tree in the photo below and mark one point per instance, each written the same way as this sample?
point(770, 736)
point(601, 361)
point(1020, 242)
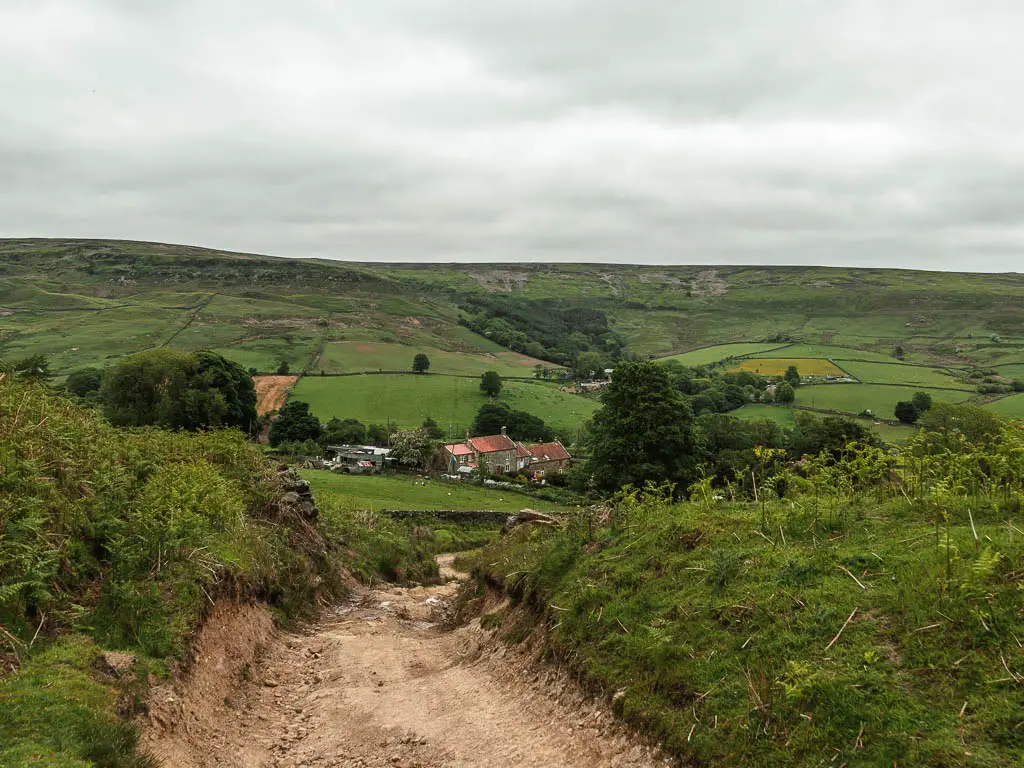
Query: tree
point(975, 423)
point(178, 390)
point(344, 432)
point(813, 434)
point(519, 425)
point(377, 434)
point(294, 423)
point(898, 352)
point(420, 363)
point(231, 380)
point(784, 393)
point(283, 368)
point(431, 428)
point(535, 349)
point(84, 382)
point(31, 367)
point(643, 432)
point(792, 376)
point(588, 365)
point(413, 448)
point(490, 383)
point(906, 412)
point(922, 401)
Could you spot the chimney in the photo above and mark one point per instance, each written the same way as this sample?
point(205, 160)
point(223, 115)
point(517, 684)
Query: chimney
point(503, 432)
point(467, 436)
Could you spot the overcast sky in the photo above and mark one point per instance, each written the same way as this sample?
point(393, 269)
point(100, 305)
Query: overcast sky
point(857, 132)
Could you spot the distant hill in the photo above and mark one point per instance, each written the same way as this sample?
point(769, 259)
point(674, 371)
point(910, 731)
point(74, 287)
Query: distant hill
point(87, 302)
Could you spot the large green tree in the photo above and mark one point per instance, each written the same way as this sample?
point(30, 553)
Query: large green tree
point(519, 425)
point(179, 390)
point(294, 423)
point(643, 432)
point(344, 432)
point(420, 363)
point(84, 381)
point(588, 365)
point(490, 383)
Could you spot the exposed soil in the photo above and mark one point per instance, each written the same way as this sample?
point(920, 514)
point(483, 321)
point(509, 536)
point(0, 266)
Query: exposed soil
point(271, 392)
point(379, 681)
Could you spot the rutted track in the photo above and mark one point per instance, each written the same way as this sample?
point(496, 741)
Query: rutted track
point(378, 682)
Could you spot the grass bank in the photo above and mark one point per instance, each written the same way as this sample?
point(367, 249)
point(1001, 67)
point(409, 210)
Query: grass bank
point(856, 633)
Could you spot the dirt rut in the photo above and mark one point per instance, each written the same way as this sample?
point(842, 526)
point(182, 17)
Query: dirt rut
point(378, 682)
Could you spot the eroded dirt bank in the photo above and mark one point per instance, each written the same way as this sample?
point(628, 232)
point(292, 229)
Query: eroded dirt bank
point(378, 682)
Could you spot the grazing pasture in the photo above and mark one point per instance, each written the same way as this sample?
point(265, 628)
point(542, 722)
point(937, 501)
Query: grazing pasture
point(880, 399)
point(720, 352)
point(407, 399)
point(896, 373)
point(1011, 406)
point(409, 492)
point(360, 356)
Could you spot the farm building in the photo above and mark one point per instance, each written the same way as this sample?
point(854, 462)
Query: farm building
point(549, 458)
point(500, 453)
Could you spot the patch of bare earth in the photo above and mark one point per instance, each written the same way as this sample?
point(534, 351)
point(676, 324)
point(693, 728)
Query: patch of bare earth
point(708, 283)
point(378, 681)
point(272, 391)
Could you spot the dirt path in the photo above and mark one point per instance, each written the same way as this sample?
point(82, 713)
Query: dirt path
point(379, 683)
point(271, 392)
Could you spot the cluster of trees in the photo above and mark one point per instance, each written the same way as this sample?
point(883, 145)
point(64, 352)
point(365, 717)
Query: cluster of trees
point(712, 390)
point(297, 428)
point(547, 329)
point(519, 425)
point(166, 388)
point(647, 430)
point(909, 411)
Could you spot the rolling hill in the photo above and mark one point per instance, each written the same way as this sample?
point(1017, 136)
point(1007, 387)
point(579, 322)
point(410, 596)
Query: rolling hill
point(88, 302)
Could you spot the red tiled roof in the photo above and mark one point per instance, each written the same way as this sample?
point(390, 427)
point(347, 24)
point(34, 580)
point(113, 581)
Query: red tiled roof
point(492, 443)
point(459, 449)
point(548, 452)
point(521, 451)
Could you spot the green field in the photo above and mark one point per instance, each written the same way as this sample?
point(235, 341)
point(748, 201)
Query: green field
point(720, 352)
point(758, 411)
point(880, 399)
point(1012, 406)
point(896, 373)
point(828, 352)
point(407, 399)
point(407, 492)
point(359, 356)
point(785, 417)
point(1013, 371)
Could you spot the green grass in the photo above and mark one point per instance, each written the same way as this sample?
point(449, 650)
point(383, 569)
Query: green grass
point(407, 399)
point(784, 417)
point(878, 398)
point(721, 352)
point(266, 354)
point(359, 356)
point(1011, 406)
point(895, 373)
point(828, 352)
point(1012, 371)
point(56, 713)
point(759, 411)
point(727, 645)
point(407, 492)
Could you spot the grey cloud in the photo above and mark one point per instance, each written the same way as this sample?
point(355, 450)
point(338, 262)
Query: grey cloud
point(861, 132)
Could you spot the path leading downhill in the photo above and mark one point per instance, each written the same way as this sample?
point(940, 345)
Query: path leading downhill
point(380, 683)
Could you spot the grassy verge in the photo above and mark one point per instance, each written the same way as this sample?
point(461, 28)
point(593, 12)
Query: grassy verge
point(120, 540)
point(859, 634)
point(408, 492)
